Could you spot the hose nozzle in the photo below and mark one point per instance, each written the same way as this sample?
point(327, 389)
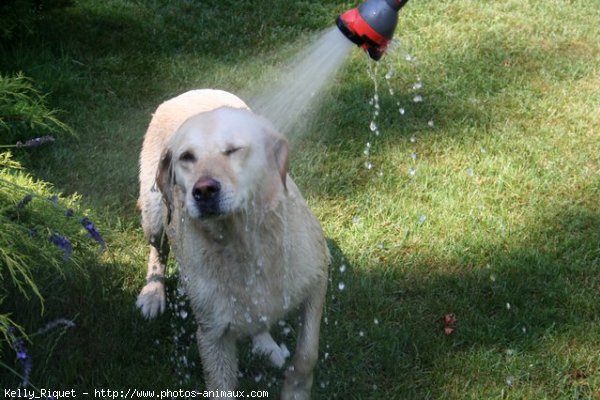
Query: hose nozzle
point(371, 25)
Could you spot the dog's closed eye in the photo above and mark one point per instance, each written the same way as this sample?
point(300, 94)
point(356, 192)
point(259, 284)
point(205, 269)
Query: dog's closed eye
point(231, 150)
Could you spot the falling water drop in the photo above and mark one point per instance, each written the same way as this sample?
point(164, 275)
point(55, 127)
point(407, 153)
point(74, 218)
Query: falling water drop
point(341, 286)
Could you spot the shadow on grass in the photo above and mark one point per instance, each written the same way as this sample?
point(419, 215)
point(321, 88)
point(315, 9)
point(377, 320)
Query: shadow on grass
point(385, 335)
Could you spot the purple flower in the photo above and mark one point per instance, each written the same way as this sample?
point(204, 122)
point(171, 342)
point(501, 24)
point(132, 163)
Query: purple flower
point(62, 243)
point(18, 345)
point(24, 201)
point(93, 232)
point(35, 142)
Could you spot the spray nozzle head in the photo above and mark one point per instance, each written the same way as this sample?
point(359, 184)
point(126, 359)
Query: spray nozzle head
point(371, 25)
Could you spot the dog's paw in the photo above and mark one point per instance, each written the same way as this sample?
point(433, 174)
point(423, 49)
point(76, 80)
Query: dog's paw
point(264, 344)
point(151, 300)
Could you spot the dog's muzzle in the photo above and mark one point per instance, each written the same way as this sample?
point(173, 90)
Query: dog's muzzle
point(207, 194)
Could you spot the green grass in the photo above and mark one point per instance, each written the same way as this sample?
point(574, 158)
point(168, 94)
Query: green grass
point(507, 180)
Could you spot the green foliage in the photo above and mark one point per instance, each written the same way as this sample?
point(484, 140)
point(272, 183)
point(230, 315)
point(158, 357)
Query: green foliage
point(23, 110)
point(30, 213)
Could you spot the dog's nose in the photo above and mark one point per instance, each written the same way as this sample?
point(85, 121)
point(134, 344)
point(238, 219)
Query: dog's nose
point(206, 189)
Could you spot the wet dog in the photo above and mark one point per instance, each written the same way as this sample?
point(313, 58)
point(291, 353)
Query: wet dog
point(214, 189)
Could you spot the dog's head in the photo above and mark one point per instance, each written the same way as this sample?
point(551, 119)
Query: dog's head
point(223, 161)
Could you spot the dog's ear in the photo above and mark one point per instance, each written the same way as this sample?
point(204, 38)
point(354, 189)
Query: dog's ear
point(165, 179)
point(280, 150)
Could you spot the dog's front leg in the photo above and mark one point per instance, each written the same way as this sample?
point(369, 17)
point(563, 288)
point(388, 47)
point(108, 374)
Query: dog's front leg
point(151, 300)
point(218, 352)
point(299, 377)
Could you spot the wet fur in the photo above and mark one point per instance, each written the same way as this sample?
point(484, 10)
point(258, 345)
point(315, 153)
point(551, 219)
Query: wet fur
point(245, 269)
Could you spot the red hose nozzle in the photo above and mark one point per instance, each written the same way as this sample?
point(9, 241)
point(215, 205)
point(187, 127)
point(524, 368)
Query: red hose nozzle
point(371, 25)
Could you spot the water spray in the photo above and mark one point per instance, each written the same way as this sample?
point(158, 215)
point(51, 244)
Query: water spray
point(371, 25)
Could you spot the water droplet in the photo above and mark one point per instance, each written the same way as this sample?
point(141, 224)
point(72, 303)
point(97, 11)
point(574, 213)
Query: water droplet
point(493, 278)
point(376, 321)
point(510, 380)
point(343, 268)
point(413, 156)
point(470, 172)
point(183, 314)
point(422, 219)
point(369, 165)
point(417, 86)
point(341, 286)
point(258, 378)
point(430, 123)
point(286, 331)
point(389, 74)
point(356, 220)
point(418, 98)
point(361, 334)
point(373, 126)
point(508, 306)
point(412, 171)
point(413, 139)
point(408, 57)
point(510, 352)
point(401, 111)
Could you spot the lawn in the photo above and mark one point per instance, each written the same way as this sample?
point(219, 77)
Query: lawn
point(479, 211)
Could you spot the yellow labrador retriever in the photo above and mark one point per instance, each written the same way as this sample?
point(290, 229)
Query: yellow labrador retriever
point(214, 187)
